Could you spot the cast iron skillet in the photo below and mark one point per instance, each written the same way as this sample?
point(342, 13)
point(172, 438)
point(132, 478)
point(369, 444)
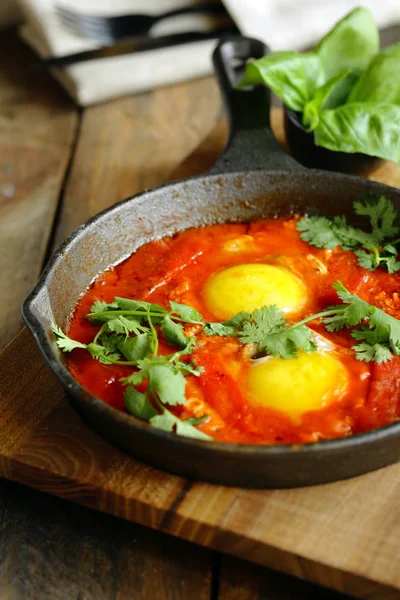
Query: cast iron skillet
point(254, 178)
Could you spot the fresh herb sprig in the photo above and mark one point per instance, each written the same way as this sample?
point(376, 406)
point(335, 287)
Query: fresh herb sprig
point(373, 248)
point(269, 330)
point(128, 336)
point(130, 329)
point(378, 332)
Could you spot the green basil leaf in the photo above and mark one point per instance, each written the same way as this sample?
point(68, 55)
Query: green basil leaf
point(380, 82)
point(365, 127)
point(292, 76)
point(351, 44)
point(323, 94)
point(138, 404)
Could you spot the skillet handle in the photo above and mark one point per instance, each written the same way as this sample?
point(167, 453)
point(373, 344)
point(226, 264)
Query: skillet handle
point(251, 144)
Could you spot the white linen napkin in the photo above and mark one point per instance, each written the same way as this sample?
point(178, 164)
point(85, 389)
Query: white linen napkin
point(299, 24)
point(282, 24)
point(98, 80)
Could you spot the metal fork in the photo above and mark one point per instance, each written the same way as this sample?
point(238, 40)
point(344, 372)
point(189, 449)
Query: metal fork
point(107, 30)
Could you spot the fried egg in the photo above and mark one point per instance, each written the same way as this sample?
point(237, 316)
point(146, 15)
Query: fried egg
point(250, 286)
point(298, 385)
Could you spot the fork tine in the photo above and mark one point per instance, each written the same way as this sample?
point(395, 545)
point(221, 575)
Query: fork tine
point(96, 21)
point(94, 29)
point(66, 15)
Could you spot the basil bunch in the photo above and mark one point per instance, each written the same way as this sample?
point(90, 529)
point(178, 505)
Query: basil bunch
point(347, 91)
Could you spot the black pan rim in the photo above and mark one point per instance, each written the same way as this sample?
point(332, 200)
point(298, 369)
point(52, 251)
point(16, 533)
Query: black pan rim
point(74, 388)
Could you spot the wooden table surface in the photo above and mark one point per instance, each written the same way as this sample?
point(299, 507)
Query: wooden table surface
point(58, 166)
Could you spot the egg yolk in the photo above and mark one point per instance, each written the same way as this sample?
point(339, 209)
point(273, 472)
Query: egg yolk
point(294, 386)
point(250, 286)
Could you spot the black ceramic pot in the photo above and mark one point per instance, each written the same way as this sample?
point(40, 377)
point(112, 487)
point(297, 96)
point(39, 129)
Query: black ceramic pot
point(303, 148)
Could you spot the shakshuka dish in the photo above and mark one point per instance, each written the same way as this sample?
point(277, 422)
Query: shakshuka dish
point(283, 330)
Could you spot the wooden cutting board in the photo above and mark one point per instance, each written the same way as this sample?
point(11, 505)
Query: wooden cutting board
point(344, 535)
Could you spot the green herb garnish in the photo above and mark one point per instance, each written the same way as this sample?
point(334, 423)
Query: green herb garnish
point(128, 336)
point(374, 248)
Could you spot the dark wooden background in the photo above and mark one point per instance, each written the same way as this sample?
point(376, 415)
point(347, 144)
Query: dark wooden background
point(58, 166)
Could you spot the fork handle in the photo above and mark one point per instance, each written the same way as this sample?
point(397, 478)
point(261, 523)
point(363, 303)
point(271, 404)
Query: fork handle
point(205, 8)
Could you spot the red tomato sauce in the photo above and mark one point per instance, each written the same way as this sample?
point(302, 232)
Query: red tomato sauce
point(177, 268)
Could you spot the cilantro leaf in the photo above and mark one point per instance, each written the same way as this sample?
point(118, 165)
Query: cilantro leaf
point(187, 429)
point(238, 320)
point(135, 348)
point(188, 368)
point(288, 342)
point(372, 352)
point(174, 333)
point(108, 359)
point(268, 328)
point(138, 404)
point(125, 325)
point(102, 354)
point(381, 213)
point(302, 338)
point(373, 248)
point(279, 345)
point(387, 327)
point(109, 341)
point(379, 333)
point(325, 233)
point(366, 259)
point(352, 313)
point(265, 321)
point(127, 304)
point(187, 313)
point(371, 336)
point(167, 382)
point(135, 378)
point(219, 329)
point(100, 306)
point(318, 231)
point(65, 343)
point(169, 422)
point(227, 328)
point(392, 264)
point(166, 421)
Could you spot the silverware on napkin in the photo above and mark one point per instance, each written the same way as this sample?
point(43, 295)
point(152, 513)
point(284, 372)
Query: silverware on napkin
point(109, 29)
point(142, 44)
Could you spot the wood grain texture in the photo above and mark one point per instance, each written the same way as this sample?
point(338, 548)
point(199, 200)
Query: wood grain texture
point(241, 580)
point(204, 157)
point(344, 535)
point(134, 143)
point(55, 550)
point(37, 130)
